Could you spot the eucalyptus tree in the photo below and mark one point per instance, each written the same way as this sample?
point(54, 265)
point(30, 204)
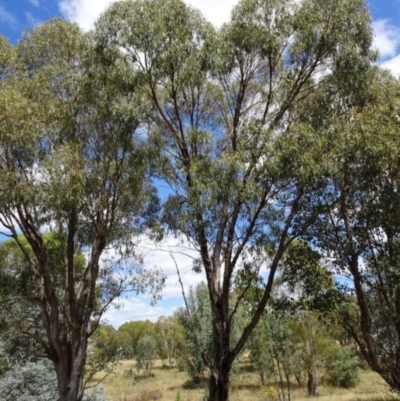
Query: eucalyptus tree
point(146, 355)
point(230, 111)
point(169, 335)
point(195, 320)
point(72, 162)
point(361, 234)
point(136, 330)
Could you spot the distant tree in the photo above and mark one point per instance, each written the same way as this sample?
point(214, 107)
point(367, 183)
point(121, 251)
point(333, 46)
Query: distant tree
point(300, 346)
point(343, 367)
point(260, 350)
point(123, 344)
point(170, 338)
point(146, 354)
point(136, 330)
point(103, 353)
point(312, 341)
point(298, 334)
point(195, 319)
point(307, 289)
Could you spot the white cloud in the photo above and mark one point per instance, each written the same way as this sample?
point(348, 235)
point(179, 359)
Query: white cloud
point(83, 12)
point(7, 17)
point(167, 255)
point(217, 12)
point(393, 65)
point(387, 38)
point(34, 2)
point(387, 41)
point(86, 12)
point(135, 309)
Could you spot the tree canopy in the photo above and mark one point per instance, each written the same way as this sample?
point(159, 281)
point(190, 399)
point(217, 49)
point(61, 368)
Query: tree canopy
point(277, 139)
point(73, 162)
point(237, 117)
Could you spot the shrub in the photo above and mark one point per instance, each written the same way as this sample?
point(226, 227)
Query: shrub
point(36, 381)
point(29, 382)
point(146, 354)
point(343, 369)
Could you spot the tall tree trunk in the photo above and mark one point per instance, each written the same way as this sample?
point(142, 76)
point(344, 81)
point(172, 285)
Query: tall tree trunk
point(219, 384)
point(70, 374)
point(220, 370)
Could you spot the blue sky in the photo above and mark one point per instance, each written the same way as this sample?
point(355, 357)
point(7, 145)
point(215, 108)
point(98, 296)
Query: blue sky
point(17, 15)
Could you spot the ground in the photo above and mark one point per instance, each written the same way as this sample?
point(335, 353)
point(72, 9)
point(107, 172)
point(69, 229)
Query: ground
point(173, 385)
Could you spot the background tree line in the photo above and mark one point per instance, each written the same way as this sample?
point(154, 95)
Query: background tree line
point(301, 343)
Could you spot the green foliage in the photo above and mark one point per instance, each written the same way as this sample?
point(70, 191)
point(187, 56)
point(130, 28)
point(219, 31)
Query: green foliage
point(306, 282)
point(36, 381)
point(170, 338)
point(146, 354)
point(361, 236)
point(135, 330)
point(197, 352)
point(122, 342)
point(19, 307)
point(302, 346)
point(264, 131)
point(103, 353)
point(343, 368)
point(72, 162)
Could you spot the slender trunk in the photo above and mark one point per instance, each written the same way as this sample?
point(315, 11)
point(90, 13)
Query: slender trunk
point(281, 388)
point(299, 379)
point(261, 373)
point(312, 382)
point(288, 390)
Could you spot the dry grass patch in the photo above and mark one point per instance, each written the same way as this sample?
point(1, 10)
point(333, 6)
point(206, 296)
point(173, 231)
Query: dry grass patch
point(166, 384)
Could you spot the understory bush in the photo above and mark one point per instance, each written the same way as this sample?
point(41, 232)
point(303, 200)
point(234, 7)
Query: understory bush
point(343, 370)
point(36, 381)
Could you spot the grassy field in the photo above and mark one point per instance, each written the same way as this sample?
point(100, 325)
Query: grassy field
point(168, 383)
